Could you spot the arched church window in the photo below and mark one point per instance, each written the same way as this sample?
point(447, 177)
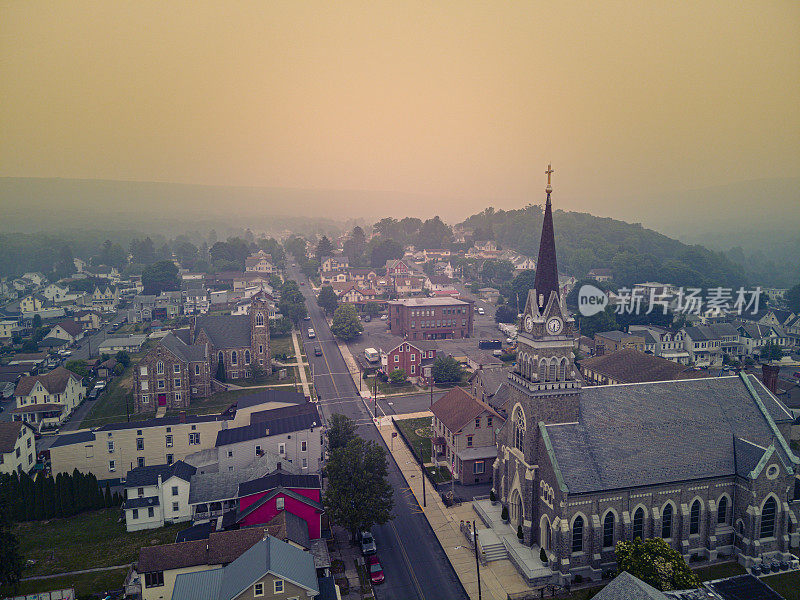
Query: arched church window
point(160, 368)
point(608, 530)
point(553, 369)
point(259, 319)
point(519, 429)
point(694, 518)
point(577, 534)
point(562, 371)
point(247, 357)
point(542, 370)
point(722, 511)
point(666, 522)
point(638, 523)
point(768, 518)
point(234, 358)
point(220, 358)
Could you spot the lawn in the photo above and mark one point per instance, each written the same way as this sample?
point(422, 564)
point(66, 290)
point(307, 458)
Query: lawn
point(110, 406)
point(85, 541)
point(418, 434)
point(388, 388)
point(786, 584)
point(84, 584)
point(282, 345)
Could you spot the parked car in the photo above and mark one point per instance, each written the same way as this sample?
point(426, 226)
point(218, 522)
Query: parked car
point(367, 318)
point(100, 384)
point(311, 333)
point(376, 575)
point(367, 543)
point(307, 318)
point(384, 317)
point(481, 311)
point(317, 351)
point(93, 394)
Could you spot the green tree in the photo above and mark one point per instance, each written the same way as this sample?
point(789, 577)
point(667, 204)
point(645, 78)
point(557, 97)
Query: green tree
point(11, 561)
point(447, 370)
point(372, 309)
point(398, 376)
point(278, 327)
point(346, 324)
point(770, 351)
point(79, 367)
point(358, 495)
point(434, 233)
point(296, 246)
point(327, 299)
point(605, 320)
point(655, 562)
point(793, 299)
point(123, 358)
point(220, 376)
point(160, 277)
point(107, 498)
point(324, 248)
point(36, 322)
point(292, 304)
point(383, 251)
point(505, 314)
point(341, 429)
point(497, 272)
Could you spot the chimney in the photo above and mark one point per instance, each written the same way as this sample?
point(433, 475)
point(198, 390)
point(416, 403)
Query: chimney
point(769, 376)
point(182, 416)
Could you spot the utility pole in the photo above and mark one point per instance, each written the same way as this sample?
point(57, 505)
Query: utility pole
point(422, 469)
point(477, 563)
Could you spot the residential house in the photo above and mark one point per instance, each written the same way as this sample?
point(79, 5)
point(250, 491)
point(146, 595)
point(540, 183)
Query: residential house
point(489, 294)
point(46, 401)
point(704, 346)
point(776, 317)
point(8, 328)
point(448, 270)
point(415, 358)
point(430, 318)
point(406, 285)
point(611, 341)
point(35, 277)
point(755, 336)
point(363, 275)
point(141, 309)
point(55, 292)
point(792, 329)
point(338, 276)
point(334, 263)
point(397, 267)
point(90, 320)
point(130, 344)
point(156, 495)
point(105, 370)
point(270, 568)
point(260, 262)
point(105, 299)
point(436, 254)
point(633, 366)
point(464, 435)
point(70, 331)
point(485, 384)
point(32, 304)
point(353, 294)
point(440, 283)
point(17, 447)
point(662, 342)
point(601, 275)
point(524, 263)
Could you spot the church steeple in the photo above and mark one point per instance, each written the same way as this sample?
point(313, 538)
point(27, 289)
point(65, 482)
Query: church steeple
point(546, 280)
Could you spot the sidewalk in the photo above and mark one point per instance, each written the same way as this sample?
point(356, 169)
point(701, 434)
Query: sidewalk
point(498, 578)
point(300, 365)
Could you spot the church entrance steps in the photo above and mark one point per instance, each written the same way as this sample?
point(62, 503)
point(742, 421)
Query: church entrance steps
point(161, 412)
point(491, 545)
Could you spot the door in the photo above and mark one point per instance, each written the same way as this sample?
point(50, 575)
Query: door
point(162, 399)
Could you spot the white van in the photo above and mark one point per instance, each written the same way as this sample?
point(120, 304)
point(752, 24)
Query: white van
point(371, 355)
point(311, 333)
point(481, 311)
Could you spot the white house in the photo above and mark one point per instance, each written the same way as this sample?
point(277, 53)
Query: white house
point(157, 495)
point(55, 292)
point(48, 400)
point(70, 331)
point(17, 447)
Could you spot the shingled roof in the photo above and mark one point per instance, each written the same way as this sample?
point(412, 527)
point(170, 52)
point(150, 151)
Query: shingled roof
point(632, 366)
point(187, 353)
point(627, 434)
point(9, 432)
point(55, 382)
point(276, 421)
point(149, 475)
point(225, 331)
point(458, 407)
point(220, 548)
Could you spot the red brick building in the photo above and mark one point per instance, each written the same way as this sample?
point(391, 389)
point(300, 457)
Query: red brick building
point(431, 318)
point(415, 358)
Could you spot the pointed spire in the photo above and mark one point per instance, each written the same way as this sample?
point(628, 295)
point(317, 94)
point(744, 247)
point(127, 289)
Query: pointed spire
point(546, 280)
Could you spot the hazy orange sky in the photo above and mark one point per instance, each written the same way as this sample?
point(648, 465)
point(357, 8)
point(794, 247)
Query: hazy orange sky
point(450, 99)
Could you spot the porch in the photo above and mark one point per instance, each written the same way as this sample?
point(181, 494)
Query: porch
point(499, 541)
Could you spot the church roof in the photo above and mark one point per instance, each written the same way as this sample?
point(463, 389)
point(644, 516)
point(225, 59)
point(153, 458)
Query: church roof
point(627, 587)
point(633, 366)
point(546, 280)
point(179, 348)
point(634, 435)
point(225, 331)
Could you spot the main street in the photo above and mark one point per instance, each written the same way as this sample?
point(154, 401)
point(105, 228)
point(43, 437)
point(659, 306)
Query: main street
point(414, 563)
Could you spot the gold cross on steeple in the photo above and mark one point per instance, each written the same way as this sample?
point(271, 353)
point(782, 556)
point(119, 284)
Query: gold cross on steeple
point(549, 187)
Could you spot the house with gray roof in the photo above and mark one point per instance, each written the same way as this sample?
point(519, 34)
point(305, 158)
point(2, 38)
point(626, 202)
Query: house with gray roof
point(157, 494)
point(270, 568)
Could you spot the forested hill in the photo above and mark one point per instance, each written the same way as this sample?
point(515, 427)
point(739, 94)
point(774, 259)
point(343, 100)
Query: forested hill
point(585, 242)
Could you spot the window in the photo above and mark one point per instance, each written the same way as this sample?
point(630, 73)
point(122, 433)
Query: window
point(111, 445)
point(135, 513)
point(303, 446)
point(194, 439)
point(477, 423)
point(230, 453)
point(161, 384)
point(413, 358)
point(519, 429)
point(155, 579)
point(282, 448)
point(247, 357)
point(258, 588)
point(112, 465)
point(722, 511)
point(278, 586)
point(176, 383)
point(178, 396)
point(176, 368)
point(397, 358)
point(489, 421)
point(145, 399)
point(258, 451)
point(143, 371)
point(768, 518)
point(638, 523)
point(140, 443)
point(469, 441)
point(234, 358)
point(413, 369)
point(174, 490)
point(479, 467)
point(160, 368)
point(694, 518)
point(305, 463)
point(145, 385)
point(666, 522)
point(608, 530)
point(175, 507)
point(140, 461)
point(259, 319)
point(151, 512)
point(169, 441)
point(170, 459)
point(577, 534)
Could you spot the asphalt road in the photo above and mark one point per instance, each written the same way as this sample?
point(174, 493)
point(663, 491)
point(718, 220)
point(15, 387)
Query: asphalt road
point(413, 561)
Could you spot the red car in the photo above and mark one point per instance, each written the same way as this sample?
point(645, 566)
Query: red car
point(375, 569)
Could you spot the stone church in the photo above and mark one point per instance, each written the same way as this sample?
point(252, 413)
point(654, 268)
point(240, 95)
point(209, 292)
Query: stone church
point(703, 464)
point(184, 363)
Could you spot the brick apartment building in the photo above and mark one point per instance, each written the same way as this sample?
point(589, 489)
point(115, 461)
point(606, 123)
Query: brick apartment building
point(415, 358)
point(431, 318)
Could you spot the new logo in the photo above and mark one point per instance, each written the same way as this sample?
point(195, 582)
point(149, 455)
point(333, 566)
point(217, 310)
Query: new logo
point(591, 300)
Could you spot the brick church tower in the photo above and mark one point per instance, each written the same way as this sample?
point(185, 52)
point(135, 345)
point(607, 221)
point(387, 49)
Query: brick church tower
point(259, 331)
point(543, 388)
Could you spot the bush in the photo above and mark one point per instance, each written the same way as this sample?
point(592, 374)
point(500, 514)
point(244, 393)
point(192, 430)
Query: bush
point(520, 535)
point(504, 513)
point(578, 578)
point(543, 556)
point(492, 496)
point(398, 376)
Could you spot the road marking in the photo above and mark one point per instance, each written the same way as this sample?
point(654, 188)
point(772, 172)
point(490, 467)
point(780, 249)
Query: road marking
point(408, 562)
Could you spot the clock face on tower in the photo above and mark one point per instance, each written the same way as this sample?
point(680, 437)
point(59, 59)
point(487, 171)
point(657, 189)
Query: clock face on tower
point(529, 323)
point(554, 326)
